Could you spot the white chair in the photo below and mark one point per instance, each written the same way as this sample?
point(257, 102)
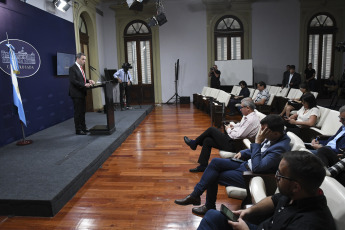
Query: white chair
point(235, 90)
point(330, 125)
point(335, 195)
point(282, 92)
point(255, 94)
point(274, 90)
point(292, 93)
point(251, 92)
point(315, 94)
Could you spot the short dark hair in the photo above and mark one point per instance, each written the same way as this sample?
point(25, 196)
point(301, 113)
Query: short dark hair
point(305, 168)
point(304, 85)
point(262, 84)
point(292, 67)
point(309, 99)
point(274, 122)
point(243, 83)
point(78, 56)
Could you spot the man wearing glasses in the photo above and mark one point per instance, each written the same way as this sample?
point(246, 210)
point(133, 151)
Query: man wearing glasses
point(213, 138)
point(331, 151)
point(299, 205)
point(263, 157)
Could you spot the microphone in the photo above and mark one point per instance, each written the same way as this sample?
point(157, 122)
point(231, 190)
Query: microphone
point(93, 68)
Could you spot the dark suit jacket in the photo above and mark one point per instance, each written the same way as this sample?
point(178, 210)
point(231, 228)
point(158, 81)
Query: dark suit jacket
point(76, 82)
point(339, 144)
point(295, 80)
point(268, 161)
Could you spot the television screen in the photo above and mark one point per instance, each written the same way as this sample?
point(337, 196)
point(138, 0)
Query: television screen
point(64, 61)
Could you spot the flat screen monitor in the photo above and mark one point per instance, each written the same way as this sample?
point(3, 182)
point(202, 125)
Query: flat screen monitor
point(64, 61)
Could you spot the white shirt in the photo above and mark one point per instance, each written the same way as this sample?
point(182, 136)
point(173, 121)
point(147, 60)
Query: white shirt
point(291, 75)
point(304, 114)
point(247, 127)
point(124, 77)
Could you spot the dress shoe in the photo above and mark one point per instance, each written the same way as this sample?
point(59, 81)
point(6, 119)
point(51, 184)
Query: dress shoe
point(189, 200)
point(200, 210)
point(80, 132)
point(86, 130)
point(197, 169)
point(190, 143)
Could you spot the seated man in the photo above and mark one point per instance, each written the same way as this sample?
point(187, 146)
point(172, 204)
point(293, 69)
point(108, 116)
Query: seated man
point(263, 157)
point(299, 205)
point(263, 96)
point(336, 142)
point(212, 137)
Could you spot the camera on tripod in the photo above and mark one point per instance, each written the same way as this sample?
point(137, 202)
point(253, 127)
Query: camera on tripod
point(126, 66)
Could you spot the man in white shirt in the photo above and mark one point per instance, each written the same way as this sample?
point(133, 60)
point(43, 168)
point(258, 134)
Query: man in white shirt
point(212, 137)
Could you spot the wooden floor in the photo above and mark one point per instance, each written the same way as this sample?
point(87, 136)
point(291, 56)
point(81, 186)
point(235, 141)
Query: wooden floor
point(136, 187)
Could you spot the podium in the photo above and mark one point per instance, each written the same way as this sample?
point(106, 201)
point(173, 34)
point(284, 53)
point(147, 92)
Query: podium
point(109, 128)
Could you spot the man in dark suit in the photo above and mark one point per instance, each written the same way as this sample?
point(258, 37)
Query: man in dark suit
point(77, 91)
point(293, 80)
point(263, 157)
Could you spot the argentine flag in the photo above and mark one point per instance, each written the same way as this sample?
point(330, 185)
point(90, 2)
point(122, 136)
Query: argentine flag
point(17, 100)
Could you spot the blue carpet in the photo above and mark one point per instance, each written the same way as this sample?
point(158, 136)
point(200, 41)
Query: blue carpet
point(39, 179)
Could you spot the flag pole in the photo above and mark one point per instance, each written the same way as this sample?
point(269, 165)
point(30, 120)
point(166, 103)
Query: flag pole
point(24, 141)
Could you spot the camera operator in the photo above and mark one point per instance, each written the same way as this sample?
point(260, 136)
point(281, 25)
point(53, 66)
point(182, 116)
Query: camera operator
point(125, 80)
point(215, 77)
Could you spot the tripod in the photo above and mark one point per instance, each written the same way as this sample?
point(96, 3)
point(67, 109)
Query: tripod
point(177, 97)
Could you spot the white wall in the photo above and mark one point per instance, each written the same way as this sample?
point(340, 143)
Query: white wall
point(106, 37)
point(183, 37)
point(275, 40)
point(49, 7)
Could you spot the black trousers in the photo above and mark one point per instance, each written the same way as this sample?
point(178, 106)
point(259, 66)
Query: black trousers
point(213, 138)
point(125, 89)
point(330, 158)
point(292, 128)
point(79, 104)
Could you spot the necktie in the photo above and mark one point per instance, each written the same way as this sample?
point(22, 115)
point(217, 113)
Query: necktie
point(82, 71)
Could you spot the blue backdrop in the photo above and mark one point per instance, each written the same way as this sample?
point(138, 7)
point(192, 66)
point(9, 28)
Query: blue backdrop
point(45, 95)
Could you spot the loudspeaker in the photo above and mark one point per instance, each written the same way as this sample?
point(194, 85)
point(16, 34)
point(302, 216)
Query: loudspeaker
point(184, 100)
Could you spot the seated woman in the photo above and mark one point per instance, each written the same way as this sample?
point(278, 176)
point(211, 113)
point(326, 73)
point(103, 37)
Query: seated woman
point(237, 99)
point(296, 103)
point(306, 117)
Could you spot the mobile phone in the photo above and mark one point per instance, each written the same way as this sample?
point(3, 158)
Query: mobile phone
point(237, 160)
point(228, 213)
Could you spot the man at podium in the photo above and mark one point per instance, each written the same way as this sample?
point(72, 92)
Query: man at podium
point(77, 91)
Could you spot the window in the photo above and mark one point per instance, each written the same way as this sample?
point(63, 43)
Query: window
point(138, 47)
point(229, 38)
point(321, 35)
point(138, 52)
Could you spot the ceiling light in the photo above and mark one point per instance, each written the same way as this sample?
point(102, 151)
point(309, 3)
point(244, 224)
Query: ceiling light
point(62, 5)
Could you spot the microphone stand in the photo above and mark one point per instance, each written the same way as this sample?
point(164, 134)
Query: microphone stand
point(101, 83)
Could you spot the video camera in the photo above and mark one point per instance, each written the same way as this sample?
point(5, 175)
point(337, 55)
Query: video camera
point(126, 66)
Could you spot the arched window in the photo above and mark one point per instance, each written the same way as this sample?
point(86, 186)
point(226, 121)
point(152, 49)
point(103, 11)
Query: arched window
point(138, 47)
point(321, 38)
point(228, 35)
